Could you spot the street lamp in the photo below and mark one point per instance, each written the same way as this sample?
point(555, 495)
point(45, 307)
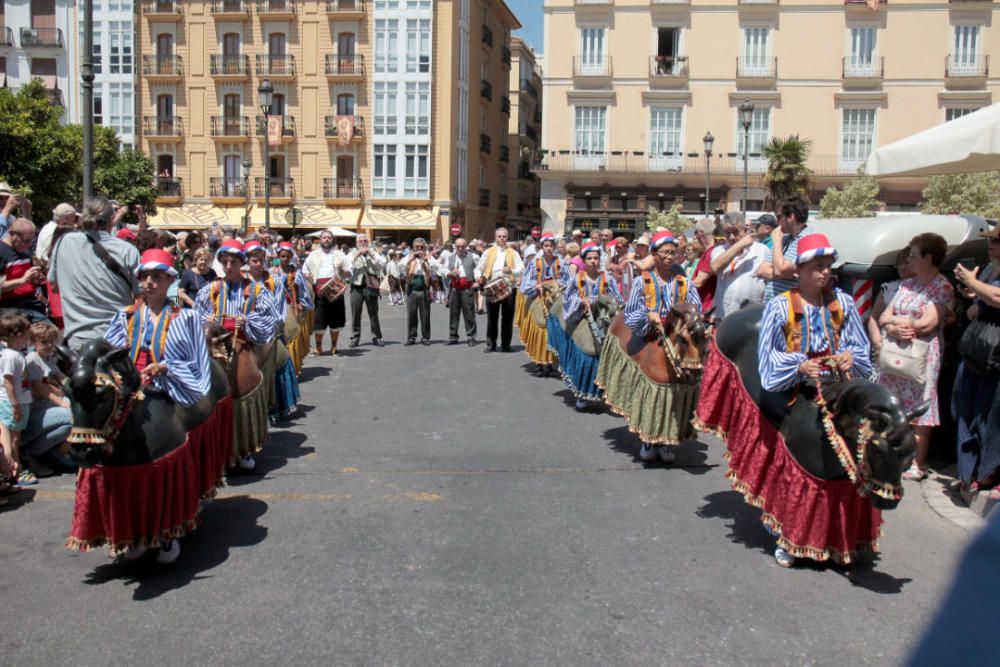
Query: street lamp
point(746, 118)
point(246, 192)
point(709, 141)
point(265, 92)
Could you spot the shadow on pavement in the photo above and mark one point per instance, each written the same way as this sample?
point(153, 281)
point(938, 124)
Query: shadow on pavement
point(690, 455)
point(280, 448)
point(18, 499)
point(313, 372)
point(746, 529)
point(226, 523)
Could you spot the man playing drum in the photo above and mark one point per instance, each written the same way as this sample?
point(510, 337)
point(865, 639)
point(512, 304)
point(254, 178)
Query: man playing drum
point(328, 269)
point(500, 261)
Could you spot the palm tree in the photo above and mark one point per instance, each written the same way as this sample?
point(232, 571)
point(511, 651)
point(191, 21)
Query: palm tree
point(787, 173)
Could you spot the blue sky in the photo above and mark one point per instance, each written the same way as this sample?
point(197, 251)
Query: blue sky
point(529, 13)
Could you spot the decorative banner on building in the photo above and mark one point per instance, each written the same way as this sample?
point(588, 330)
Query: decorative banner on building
point(345, 130)
point(274, 130)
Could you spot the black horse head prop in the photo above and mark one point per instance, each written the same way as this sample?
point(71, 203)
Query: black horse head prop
point(101, 385)
point(871, 435)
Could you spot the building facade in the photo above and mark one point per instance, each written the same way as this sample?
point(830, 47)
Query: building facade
point(633, 87)
point(115, 68)
point(522, 207)
point(366, 116)
point(37, 40)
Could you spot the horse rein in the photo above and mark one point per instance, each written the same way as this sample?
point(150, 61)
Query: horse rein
point(106, 434)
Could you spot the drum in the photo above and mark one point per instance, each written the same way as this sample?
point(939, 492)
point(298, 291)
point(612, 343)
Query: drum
point(331, 288)
point(498, 289)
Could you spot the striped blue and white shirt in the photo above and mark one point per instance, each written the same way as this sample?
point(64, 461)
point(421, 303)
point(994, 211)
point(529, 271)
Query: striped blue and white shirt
point(779, 368)
point(790, 247)
point(573, 308)
point(635, 308)
point(301, 287)
point(185, 353)
point(260, 320)
point(530, 279)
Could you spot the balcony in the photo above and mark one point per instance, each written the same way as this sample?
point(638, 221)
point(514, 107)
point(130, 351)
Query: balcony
point(42, 38)
point(668, 70)
point(669, 3)
point(168, 190)
point(530, 132)
point(507, 57)
point(639, 163)
point(276, 9)
point(287, 128)
point(332, 133)
point(279, 67)
point(338, 190)
point(592, 67)
point(231, 10)
point(968, 71)
point(230, 129)
point(7, 37)
point(487, 37)
point(505, 105)
point(227, 190)
point(162, 68)
point(859, 70)
point(346, 10)
point(162, 11)
point(505, 153)
point(486, 90)
point(593, 3)
point(345, 68)
point(162, 128)
point(231, 68)
point(529, 88)
point(484, 197)
point(485, 144)
point(756, 70)
point(282, 189)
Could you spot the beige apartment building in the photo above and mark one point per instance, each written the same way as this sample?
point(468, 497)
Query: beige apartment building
point(376, 101)
point(633, 87)
point(521, 199)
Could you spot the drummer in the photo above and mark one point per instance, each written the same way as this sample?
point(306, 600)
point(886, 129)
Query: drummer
point(544, 267)
point(499, 261)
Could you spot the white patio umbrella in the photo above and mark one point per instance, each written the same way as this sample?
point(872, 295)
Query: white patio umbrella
point(336, 231)
point(964, 145)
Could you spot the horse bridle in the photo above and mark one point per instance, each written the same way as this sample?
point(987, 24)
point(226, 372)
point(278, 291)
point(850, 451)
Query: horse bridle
point(112, 426)
point(680, 366)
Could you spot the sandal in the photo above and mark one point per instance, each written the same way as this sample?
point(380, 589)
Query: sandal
point(915, 473)
point(27, 478)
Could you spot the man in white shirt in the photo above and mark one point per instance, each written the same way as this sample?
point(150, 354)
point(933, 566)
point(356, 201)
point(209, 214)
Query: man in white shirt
point(735, 264)
point(64, 215)
point(365, 289)
point(420, 268)
point(460, 276)
point(394, 273)
point(500, 260)
point(321, 266)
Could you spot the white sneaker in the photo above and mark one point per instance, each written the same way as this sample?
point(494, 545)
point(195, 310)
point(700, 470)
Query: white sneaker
point(666, 454)
point(647, 452)
point(247, 463)
point(134, 553)
point(783, 558)
point(169, 553)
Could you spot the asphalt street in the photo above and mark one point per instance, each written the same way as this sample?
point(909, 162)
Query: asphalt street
point(441, 506)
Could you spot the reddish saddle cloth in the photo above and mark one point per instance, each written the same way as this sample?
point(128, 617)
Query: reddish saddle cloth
point(143, 505)
point(813, 518)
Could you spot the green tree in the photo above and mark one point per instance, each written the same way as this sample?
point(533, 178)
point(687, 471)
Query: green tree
point(129, 178)
point(858, 199)
point(672, 219)
point(787, 173)
point(974, 194)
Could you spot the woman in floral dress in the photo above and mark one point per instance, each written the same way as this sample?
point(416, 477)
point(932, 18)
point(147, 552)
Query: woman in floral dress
point(919, 310)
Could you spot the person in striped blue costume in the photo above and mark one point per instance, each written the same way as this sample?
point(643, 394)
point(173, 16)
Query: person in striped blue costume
point(166, 343)
point(545, 267)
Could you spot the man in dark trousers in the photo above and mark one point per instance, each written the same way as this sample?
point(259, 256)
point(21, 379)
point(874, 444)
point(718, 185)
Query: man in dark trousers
point(419, 269)
point(462, 298)
point(500, 260)
point(365, 289)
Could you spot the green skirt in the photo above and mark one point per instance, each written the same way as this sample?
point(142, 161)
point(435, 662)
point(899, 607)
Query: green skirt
point(250, 416)
point(660, 414)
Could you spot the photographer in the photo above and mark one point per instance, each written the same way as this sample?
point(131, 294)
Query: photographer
point(21, 279)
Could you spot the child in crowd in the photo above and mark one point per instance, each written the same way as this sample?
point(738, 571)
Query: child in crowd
point(50, 421)
point(15, 393)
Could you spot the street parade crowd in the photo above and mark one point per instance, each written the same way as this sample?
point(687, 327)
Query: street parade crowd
point(154, 363)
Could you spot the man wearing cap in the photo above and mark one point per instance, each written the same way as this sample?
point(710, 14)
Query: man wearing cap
point(64, 216)
point(9, 201)
point(544, 272)
point(652, 297)
point(499, 260)
point(793, 216)
point(366, 289)
point(765, 225)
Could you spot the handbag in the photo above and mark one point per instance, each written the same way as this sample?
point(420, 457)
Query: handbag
point(372, 282)
point(980, 347)
point(906, 359)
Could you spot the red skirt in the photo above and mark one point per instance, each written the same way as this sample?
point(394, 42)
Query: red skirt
point(146, 504)
point(814, 518)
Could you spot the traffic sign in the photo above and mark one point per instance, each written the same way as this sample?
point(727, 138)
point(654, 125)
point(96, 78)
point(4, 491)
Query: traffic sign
point(536, 231)
point(455, 229)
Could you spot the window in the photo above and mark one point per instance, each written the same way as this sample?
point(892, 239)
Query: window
point(592, 51)
point(965, 51)
point(463, 174)
point(463, 116)
point(861, 61)
point(120, 51)
point(418, 45)
point(386, 95)
point(952, 114)
point(759, 135)
point(98, 109)
point(386, 4)
point(857, 136)
point(668, 51)
point(415, 176)
point(345, 104)
point(418, 4)
point(384, 171)
point(665, 138)
point(418, 108)
point(386, 45)
point(589, 137)
point(120, 113)
point(755, 51)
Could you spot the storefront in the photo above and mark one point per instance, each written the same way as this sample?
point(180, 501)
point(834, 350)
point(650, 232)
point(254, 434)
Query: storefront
point(396, 225)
